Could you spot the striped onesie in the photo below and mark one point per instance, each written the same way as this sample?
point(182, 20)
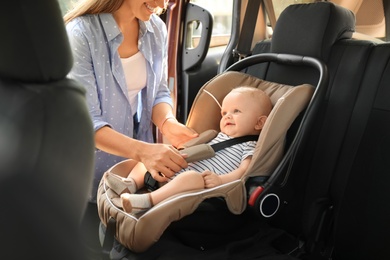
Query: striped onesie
point(225, 160)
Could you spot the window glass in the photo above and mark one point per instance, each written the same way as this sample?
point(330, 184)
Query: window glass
point(221, 10)
point(369, 14)
point(280, 5)
point(65, 5)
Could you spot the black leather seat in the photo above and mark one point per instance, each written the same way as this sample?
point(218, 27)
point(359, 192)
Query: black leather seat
point(46, 136)
point(338, 188)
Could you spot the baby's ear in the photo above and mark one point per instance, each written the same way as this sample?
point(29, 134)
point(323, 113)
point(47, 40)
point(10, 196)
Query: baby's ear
point(260, 122)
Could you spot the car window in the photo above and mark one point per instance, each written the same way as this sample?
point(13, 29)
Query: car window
point(370, 16)
point(221, 10)
point(65, 5)
point(279, 5)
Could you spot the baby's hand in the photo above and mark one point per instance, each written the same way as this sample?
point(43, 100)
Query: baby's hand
point(211, 179)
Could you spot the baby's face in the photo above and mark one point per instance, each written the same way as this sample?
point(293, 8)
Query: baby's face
point(240, 115)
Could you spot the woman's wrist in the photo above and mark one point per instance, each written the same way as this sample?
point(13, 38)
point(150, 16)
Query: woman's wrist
point(165, 121)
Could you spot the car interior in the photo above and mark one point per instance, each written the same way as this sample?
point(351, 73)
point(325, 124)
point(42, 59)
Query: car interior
point(330, 191)
point(319, 193)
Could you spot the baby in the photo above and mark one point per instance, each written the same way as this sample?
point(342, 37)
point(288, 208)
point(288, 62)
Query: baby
point(244, 111)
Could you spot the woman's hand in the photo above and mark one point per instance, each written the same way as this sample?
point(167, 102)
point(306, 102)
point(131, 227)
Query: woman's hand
point(161, 160)
point(211, 179)
point(177, 133)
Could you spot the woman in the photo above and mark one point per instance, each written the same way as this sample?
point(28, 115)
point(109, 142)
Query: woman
point(120, 56)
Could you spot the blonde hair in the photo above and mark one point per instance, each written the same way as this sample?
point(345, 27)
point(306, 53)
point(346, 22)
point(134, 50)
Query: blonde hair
point(257, 94)
point(83, 7)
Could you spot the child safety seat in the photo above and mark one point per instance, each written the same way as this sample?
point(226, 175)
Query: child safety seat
point(139, 232)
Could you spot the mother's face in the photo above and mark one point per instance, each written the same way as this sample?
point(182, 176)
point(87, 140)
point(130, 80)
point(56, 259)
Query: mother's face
point(143, 10)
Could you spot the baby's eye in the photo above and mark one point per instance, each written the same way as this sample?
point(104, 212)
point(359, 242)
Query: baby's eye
point(223, 113)
point(235, 111)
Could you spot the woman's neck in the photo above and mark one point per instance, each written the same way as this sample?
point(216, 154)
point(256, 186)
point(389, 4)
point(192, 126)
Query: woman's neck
point(128, 24)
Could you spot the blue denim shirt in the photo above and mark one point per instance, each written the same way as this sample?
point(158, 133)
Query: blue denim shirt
point(97, 66)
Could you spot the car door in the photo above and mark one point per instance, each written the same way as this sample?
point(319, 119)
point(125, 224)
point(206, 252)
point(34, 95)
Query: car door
point(199, 32)
point(203, 35)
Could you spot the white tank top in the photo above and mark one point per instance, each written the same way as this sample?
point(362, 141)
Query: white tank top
point(135, 75)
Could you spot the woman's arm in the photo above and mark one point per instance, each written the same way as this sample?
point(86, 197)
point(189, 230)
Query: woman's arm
point(156, 157)
point(83, 71)
point(162, 114)
point(176, 132)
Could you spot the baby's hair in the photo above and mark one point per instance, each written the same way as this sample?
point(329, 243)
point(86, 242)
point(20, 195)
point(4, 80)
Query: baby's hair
point(246, 89)
point(255, 93)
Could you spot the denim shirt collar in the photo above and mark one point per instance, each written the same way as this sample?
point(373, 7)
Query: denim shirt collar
point(112, 30)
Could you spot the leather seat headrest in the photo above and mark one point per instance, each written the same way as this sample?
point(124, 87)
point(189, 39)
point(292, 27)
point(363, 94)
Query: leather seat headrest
point(34, 46)
point(312, 29)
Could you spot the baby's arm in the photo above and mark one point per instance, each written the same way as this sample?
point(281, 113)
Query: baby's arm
point(212, 179)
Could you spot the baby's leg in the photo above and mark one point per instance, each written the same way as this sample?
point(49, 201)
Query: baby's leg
point(129, 184)
point(138, 174)
point(185, 181)
point(134, 203)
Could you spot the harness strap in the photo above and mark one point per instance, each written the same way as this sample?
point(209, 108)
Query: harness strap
point(222, 145)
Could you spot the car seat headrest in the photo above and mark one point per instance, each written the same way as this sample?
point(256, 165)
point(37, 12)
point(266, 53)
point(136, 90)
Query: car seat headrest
point(36, 47)
point(211, 95)
point(312, 29)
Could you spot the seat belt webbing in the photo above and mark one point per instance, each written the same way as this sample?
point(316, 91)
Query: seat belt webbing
point(247, 30)
point(230, 142)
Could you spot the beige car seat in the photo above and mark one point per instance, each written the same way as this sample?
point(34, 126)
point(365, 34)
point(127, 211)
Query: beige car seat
point(139, 232)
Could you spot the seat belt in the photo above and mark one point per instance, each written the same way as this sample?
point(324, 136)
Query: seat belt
point(386, 7)
point(204, 151)
point(108, 236)
point(222, 145)
point(244, 45)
